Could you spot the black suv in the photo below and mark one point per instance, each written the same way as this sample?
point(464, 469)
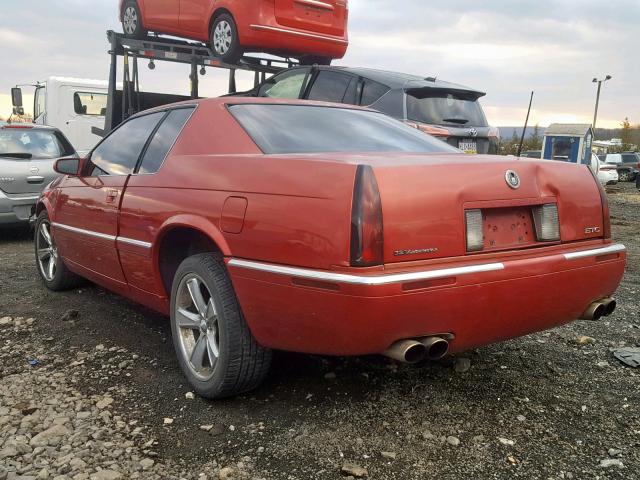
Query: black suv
point(442, 109)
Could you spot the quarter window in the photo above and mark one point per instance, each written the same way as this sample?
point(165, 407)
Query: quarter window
point(119, 152)
point(329, 87)
point(372, 91)
point(164, 139)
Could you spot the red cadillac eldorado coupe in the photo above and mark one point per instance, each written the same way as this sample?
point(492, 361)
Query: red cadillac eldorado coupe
point(314, 31)
point(261, 224)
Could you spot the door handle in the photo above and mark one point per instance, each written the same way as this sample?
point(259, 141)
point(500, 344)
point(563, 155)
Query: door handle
point(35, 179)
point(111, 194)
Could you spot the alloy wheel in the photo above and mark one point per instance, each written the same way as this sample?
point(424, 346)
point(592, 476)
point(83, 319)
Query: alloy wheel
point(197, 325)
point(222, 37)
point(130, 20)
point(47, 251)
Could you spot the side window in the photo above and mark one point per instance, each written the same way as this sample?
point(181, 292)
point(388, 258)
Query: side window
point(164, 139)
point(39, 104)
point(329, 86)
point(372, 91)
point(87, 103)
point(119, 152)
point(286, 85)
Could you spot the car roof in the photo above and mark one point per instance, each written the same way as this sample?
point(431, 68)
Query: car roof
point(396, 80)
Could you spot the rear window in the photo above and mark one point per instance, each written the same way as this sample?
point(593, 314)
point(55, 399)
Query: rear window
point(438, 107)
point(314, 129)
point(630, 158)
point(32, 143)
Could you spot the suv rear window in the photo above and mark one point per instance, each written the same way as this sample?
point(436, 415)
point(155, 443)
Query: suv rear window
point(314, 129)
point(438, 107)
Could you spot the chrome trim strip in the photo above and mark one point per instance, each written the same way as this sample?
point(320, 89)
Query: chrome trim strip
point(364, 279)
point(132, 241)
point(104, 236)
point(316, 3)
point(301, 34)
point(617, 247)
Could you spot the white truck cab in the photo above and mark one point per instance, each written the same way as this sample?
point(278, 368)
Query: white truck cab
point(74, 106)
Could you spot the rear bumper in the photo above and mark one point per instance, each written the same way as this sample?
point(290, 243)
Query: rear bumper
point(284, 40)
point(336, 313)
point(16, 209)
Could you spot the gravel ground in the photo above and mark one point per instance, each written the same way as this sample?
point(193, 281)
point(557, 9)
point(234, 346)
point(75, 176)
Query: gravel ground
point(89, 389)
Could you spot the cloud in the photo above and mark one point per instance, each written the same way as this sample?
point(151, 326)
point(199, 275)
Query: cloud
point(507, 49)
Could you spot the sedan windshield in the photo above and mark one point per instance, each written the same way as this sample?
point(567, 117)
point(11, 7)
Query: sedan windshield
point(437, 107)
point(317, 129)
point(26, 143)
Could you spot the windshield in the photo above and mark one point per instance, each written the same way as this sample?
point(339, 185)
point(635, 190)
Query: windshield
point(314, 129)
point(27, 143)
point(437, 107)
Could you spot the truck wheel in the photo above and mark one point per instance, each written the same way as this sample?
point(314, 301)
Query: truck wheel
point(314, 60)
point(213, 343)
point(54, 273)
point(224, 39)
point(624, 177)
point(132, 20)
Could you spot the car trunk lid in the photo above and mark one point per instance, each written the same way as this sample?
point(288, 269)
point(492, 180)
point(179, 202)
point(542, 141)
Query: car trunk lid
point(21, 175)
point(321, 16)
point(425, 204)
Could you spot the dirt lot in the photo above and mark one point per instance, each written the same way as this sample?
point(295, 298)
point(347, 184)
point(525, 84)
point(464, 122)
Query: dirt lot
point(100, 396)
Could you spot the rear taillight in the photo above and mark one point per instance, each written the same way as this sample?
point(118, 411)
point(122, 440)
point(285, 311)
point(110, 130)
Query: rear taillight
point(366, 220)
point(430, 129)
point(545, 219)
point(475, 233)
point(606, 219)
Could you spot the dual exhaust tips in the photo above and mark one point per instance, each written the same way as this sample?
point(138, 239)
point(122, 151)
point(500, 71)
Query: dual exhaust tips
point(599, 309)
point(414, 351)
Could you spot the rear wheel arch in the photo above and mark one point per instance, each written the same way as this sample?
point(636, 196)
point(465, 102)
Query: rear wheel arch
point(182, 239)
point(216, 13)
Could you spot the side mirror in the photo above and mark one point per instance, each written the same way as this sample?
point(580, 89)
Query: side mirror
point(16, 97)
point(68, 166)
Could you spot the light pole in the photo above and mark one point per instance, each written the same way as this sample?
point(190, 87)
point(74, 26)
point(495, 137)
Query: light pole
point(595, 114)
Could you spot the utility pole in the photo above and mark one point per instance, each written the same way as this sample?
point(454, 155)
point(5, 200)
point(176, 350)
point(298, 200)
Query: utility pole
point(595, 114)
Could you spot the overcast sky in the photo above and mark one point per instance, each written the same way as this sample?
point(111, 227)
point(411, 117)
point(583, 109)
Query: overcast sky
point(506, 48)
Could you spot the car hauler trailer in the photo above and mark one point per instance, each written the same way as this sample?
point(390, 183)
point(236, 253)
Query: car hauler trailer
point(128, 99)
point(86, 110)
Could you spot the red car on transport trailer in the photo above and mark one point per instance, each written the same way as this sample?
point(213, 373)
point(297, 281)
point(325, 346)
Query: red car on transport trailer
point(313, 31)
point(261, 224)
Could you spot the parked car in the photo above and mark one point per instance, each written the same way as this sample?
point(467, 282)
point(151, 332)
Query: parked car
point(27, 155)
point(445, 110)
point(627, 164)
point(606, 172)
point(323, 228)
point(312, 31)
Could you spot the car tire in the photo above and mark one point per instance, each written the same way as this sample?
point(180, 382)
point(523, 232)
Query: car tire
point(224, 40)
point(53, 272)
point(132, 25)
point(215, 348)
point(315, 60)
point(624, 177)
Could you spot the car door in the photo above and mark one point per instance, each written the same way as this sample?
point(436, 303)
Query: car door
point(161, 14)
point(85, 224)
point(333, 86)
point(194, 16)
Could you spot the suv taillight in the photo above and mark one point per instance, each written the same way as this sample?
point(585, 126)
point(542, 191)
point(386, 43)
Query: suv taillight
point(366, 220)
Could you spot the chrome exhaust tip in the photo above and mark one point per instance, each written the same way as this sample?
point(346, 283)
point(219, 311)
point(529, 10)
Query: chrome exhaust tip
point(406, 351)
point(609, 306)
point(593, 311)
point(436, 347)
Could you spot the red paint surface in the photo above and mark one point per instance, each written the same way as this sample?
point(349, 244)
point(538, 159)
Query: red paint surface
point(193, 19)
point(298, 211)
